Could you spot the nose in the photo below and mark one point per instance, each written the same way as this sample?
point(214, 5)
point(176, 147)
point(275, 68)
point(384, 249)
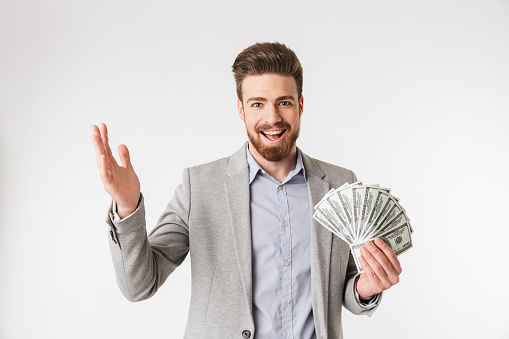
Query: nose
point(272, 115)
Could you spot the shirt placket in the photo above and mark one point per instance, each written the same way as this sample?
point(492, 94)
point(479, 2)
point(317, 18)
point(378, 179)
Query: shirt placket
point(286, 262)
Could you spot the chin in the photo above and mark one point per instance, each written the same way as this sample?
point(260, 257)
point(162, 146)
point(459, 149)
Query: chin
point(274, 153)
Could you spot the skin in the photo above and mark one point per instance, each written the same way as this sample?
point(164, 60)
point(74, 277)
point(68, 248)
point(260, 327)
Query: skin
point(268, 99)
point(380, 264)
point(121, 182)
point(381, 269)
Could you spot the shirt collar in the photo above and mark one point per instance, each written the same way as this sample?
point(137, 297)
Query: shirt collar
point(255, 168)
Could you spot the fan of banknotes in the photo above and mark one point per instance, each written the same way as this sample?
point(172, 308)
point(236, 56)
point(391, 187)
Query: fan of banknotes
point(357, 213)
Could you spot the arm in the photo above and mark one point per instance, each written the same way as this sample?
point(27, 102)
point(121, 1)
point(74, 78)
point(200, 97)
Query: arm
point(141, 265)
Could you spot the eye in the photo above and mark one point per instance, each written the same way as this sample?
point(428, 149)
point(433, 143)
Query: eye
point(257, 104)
point(285, 103)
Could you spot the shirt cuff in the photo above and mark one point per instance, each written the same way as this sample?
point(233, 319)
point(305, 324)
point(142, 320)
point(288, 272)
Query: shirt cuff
point(116, 217)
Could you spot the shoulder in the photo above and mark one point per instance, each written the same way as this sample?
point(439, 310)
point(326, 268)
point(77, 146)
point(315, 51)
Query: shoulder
point(331, 169)
point(217, 169)
point(210, 168)
point(330, 172)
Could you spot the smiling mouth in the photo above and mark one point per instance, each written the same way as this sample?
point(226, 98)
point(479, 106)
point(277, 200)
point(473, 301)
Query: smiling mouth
point(274, 134)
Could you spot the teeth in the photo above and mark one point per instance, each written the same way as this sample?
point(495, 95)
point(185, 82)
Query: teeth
point(272, 132)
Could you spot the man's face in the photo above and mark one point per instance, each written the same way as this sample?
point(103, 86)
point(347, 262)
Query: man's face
point(271, 111)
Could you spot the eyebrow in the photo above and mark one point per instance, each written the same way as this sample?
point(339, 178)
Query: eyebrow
point(256, 99)
point(284, 97)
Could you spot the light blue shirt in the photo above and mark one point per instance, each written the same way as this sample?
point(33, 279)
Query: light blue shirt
point(281, 250)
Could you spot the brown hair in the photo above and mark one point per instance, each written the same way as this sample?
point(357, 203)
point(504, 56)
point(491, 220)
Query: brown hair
point(267, 57)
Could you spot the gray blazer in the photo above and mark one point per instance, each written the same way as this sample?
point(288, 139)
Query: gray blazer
point(209, 218)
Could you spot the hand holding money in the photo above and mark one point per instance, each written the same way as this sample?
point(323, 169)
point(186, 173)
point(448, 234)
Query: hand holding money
point(359, 213)
point(381, 269)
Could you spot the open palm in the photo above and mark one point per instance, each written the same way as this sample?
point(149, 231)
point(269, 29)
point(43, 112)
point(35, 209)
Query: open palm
point(121, 182)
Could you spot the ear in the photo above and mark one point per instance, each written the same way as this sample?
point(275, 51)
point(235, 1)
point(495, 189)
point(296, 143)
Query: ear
point(301, 106)
point(240, 108)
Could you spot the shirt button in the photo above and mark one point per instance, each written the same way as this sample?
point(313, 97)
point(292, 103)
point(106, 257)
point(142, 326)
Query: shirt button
point(280, 187)
point(287, 301)
point(285, 223)
point(246, 334)
point(287, 263)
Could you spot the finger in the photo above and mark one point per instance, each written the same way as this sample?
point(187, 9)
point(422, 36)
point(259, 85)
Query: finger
point(369, 272)
point(98, 147)
point(125, 159)
point(104, 170)
point(375, 264)
point(104, 134)
point(97, 133)
point(95, 130)
point(389, 253)
point(380, 257)
point(387, 273)
point(105, 145)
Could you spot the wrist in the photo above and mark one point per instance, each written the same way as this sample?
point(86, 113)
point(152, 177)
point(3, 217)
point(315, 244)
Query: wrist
point(126, 209)
point(364, 296)
point(124, 212)
point(365, 299)
point(361, 292)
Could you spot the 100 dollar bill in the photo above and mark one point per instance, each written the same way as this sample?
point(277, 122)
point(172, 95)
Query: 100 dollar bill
point(399, 240)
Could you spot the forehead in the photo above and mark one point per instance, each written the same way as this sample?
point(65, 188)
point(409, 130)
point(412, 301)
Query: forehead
point(269, 86)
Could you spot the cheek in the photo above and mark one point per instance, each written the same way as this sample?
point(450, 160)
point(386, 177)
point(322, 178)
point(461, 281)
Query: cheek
point(252, 124)
point(293, 119)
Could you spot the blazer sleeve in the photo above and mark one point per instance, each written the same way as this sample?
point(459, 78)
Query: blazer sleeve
point(143, 262)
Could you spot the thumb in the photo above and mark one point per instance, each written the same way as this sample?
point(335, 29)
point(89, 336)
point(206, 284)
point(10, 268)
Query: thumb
point(123, 152)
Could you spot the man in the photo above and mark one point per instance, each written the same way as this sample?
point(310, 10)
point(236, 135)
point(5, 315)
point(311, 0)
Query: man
point(261, 267)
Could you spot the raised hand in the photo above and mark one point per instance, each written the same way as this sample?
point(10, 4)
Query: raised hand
point(381, 269)
point(121, 182)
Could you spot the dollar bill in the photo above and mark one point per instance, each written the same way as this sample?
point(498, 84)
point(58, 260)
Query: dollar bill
point(370, 197)
point(345, 196)
point(399, 240)
point(325, 223)
point(358, 194)
point(378, 210)
point(327, 211)
point(357, 213)
point(391, 209)
point(334, 201)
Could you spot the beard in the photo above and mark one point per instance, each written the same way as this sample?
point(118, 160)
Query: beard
point(277, 152)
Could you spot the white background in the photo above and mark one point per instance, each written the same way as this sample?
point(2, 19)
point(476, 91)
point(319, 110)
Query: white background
point(409, 94)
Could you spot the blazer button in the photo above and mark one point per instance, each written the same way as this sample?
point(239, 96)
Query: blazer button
point(246, 334)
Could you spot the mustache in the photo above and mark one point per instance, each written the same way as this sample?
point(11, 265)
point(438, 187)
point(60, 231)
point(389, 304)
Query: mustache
point(277, 125)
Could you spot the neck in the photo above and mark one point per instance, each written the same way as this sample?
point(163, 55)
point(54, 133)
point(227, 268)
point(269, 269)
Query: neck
point(277, 169)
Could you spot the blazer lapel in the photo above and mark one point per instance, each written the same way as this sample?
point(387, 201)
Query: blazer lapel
point(238, 199)
point(238, 196)
point(321, 246)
